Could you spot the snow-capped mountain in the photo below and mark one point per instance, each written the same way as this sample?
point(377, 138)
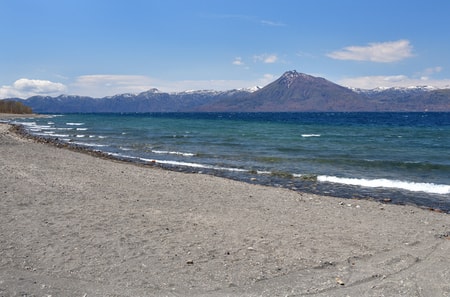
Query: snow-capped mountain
point(292, 92)
point(396, 89)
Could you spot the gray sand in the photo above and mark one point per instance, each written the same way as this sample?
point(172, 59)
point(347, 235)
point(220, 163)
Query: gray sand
point(75, 225)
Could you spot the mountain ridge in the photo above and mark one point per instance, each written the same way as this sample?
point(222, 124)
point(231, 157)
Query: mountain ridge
point(291, 92)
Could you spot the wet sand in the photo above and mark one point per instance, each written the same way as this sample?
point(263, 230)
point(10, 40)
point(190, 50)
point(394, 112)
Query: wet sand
point(75, 225)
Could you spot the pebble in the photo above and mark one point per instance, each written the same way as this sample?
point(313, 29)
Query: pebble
point(339, 281)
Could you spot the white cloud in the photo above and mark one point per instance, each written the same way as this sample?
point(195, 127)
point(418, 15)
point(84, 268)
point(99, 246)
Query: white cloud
point(107, 85)
point(425, 75)
point(24, 88)
point(371, 82)
point(383, 52)
point(238, 61)
point(432, 70)
point(266, 58)
point(220, 85)
point(272, 24)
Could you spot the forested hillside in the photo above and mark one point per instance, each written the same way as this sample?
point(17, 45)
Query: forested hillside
point(7, 106)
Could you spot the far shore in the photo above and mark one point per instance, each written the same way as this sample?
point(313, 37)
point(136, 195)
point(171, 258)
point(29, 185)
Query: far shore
point(73, 224)
point(9, 116)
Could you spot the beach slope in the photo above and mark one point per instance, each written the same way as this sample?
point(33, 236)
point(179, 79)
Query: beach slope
point(75, 225)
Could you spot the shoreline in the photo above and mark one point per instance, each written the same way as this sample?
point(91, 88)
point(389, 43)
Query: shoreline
point(305, 185)
point(10, 116)
point(77, 225)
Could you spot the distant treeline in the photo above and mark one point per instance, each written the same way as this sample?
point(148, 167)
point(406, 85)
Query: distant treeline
point(7, 106)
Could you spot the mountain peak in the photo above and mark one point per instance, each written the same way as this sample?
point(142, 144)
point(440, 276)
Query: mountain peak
point(289, 77)
point(291, 73)
point(151, 91)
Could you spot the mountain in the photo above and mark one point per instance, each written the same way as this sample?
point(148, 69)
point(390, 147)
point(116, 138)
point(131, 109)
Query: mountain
point(295, 91)
point(420, 98)
point(291, 92)
point(150, 101)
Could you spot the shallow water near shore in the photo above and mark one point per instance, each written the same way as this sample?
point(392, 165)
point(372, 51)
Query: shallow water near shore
point(398, 157)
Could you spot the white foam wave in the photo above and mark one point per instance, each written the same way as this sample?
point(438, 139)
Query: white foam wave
point(74, 124)
point(193, 165)
point(82, 129)
point(47, 134)
point(34, 127)
point(88, 144)
point(177, 163)
point(311, 135)
point(39, 133)
point(26, 123)
point(173, 153)
point(386, 183)
point(187, 164)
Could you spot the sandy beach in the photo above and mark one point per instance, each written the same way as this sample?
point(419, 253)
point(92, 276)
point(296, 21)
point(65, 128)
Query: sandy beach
point(76, 225)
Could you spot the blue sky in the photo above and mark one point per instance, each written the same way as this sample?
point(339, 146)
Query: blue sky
point(105, 47)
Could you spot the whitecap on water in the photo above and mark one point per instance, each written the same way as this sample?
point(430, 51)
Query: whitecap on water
point(387, 183)
point(173, 153)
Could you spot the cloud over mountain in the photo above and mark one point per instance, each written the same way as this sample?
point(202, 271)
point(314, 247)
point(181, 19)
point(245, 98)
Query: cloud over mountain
point(25, 87)
point(381, 52)
point(291, 92)
point(266, 58)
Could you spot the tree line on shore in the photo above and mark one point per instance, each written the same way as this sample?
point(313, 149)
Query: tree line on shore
point(8, 106)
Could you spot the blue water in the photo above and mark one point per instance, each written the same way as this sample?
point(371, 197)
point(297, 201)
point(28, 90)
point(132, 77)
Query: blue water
point(400, 156)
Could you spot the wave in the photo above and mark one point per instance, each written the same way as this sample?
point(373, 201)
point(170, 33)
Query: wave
point(88, 144)
point(60, 135)
point(173, 153)
point(51, 134)
point(26, 124)
point(34, 126)
point(386, 183)
point(178, 163)
point(74, 124)
point(311, 135)
point(82, 129)
point(193, 165)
